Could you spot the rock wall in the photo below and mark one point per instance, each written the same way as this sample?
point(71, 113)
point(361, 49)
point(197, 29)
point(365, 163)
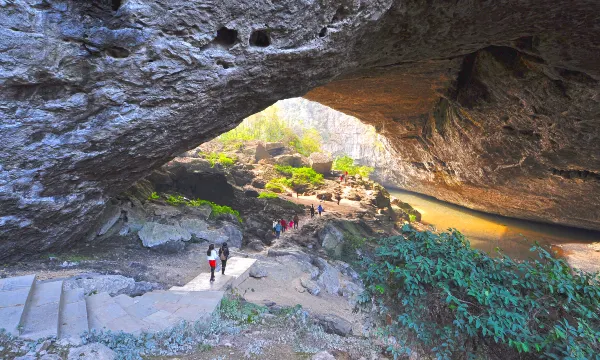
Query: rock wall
point(96, 94)
point(512, 135)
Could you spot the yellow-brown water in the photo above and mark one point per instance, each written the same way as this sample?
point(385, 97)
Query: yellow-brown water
point(487, 232)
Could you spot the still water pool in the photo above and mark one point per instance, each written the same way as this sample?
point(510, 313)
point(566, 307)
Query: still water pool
point(488, 231)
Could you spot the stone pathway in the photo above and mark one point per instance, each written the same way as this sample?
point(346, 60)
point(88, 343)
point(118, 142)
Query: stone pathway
point(34, 310)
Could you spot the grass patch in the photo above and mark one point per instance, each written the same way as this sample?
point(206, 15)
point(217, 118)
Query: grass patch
point(153, 196)
point(346, 163)
point(218, 158)
point(277, 185)
point(267, 195)
point(302, 178)
point(217, 210)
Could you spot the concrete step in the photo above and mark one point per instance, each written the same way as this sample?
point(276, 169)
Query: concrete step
point(202, 283)
point(73, 315)
point(236, 271)
point(14, 295)
point(41, 317)
point(104, 313)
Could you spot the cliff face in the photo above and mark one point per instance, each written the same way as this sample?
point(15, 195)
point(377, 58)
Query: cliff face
point(511, 135)
point(94, 95)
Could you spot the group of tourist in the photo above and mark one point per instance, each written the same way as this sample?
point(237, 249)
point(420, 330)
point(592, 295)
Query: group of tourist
point(281, 226)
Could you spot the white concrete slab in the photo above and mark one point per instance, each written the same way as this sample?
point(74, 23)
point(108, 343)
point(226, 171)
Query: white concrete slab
point(41, 317)
point(14, 295)
point(73, 315)
point(236, 271)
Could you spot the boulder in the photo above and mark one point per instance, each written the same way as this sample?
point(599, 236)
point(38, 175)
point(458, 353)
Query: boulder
point(258, 272)
point(333, 324)
point(381, 197)
point(258, 183)
point(234, 235)
point(268, 238)
point(256, 245)
point(112, 284)
point(153, 234)
point(311, 286)
point(321, 163)
point(194, 226)
point(242, 177)
point(203, 211)
point(332, 239)
point(295, 160)
point(251, 193)
point(324, 195)
point(329, 278)
point(276, 148)
point(261, 152)
point(93, 351)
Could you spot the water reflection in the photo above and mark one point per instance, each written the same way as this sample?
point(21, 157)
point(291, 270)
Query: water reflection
point(488, 231)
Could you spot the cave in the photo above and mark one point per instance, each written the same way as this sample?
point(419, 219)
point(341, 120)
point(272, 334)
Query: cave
point(226, 36)
point(78, 129)
point(260, 38)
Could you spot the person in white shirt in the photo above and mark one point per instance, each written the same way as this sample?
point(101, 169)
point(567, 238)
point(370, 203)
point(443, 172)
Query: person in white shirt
point(211, 256)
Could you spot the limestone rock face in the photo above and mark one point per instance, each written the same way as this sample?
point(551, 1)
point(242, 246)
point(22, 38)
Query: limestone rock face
point(94, 95)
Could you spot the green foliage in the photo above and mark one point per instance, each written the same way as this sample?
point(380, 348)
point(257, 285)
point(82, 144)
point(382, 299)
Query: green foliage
point(346, 163)
point(277, 185)
point(451, 300)
point(176, 200)
point(153, 196)
point(219, 158)
point(234, 308)
point(267, 126)
point(267, 195)
point(412, 218)
point(217, 210)
point(301, 178)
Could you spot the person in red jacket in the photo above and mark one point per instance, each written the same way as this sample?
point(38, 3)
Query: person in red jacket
point(283, 225)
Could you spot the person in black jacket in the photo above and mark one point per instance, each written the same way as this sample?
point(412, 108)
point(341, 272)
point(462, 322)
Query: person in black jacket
point(223, 255)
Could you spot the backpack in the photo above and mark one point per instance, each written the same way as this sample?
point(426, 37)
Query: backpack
point(222, 256)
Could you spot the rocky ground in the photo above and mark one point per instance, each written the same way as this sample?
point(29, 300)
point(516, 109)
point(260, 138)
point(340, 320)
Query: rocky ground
point(145, 242)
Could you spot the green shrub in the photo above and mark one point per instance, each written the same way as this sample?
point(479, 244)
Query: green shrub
point(346, 163)
point(412, 218)
point(450, 300)
point(235, 308)
point(176, 200)
point(153, 196)
point(277, 185)
point(267, 195)
point(218, 158)
point(217, 210)
point(301, 175)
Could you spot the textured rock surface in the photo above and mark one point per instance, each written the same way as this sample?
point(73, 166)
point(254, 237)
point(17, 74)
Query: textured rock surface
point(93, 98)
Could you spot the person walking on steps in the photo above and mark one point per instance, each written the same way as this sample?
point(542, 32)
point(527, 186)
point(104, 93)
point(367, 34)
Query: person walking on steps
point(211, 255)
point(312, 211)
point(223, 255)
point(277, 230)
point(283, 225)
point(291, 224)
point(320, 209)
point(274, 224)
point(296, 220)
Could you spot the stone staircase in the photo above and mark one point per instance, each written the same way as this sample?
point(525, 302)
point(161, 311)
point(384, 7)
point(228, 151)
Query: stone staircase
point(34, 309)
